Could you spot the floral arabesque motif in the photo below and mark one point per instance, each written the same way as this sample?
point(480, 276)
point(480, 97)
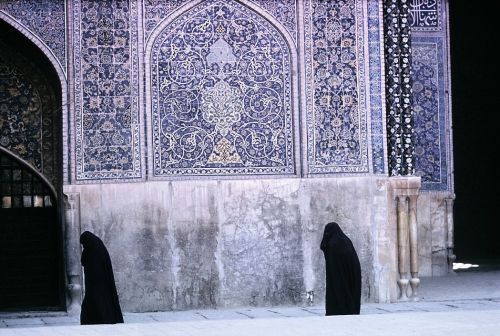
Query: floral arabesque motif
point(221, 105)
point(428, 106)
point(157, 10)
point(283, 10)
point(336, 112)
point(397, 40)
point(28, 111)
point(221, 94)
point(107, 90)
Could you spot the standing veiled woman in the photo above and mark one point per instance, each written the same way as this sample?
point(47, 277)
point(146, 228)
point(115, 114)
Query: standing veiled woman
point(100, 303)
point(343, 272)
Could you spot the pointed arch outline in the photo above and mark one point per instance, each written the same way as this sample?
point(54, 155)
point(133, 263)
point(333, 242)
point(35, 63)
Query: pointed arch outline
point(15, 24)
point(294, 75)
point(61, 75)
point(29, 166)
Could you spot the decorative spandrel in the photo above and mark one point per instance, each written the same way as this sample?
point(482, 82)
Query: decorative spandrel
point(285, 11)
point(44, 19)
point(221, 93)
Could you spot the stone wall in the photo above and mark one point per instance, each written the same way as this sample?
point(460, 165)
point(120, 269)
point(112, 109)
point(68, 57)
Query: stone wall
point(197, 244)
point(434, 220)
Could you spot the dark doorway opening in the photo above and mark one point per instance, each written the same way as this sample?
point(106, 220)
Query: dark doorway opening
point(29, 256)
point(474, 96)
point(31, 245)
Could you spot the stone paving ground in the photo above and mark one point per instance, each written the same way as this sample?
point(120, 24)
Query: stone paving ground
point(455, 302)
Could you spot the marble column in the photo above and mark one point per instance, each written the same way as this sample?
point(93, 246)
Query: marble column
point(404, 191)
point(403, 246)
point(73, 253)
point(413, 230)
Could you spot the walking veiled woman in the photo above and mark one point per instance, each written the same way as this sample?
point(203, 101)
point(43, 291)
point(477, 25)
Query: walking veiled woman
point(100, 303)
point(343, 272)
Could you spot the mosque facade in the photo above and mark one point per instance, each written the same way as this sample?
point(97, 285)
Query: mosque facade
point(209, 142)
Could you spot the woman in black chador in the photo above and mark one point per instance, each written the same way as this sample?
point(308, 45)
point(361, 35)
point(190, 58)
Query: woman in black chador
point(100, 304)
point(343, 272)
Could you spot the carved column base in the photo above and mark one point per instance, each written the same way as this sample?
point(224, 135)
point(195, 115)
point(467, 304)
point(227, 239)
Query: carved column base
point(414, 283)
point(403, 288)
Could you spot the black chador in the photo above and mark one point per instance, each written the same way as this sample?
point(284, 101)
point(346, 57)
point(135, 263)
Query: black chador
point(343, 272)
point(100, 303)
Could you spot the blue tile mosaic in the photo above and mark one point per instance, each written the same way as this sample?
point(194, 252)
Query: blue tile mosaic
point(336, 116)
point(431, 148)
point(221, 94)
point(106, 90)
point(28, 113)
point(377, 119)
point(284, 11)
point(156, 11)
point(398, 93)
point(425, 15)
point(45, 19)
point(343, 118)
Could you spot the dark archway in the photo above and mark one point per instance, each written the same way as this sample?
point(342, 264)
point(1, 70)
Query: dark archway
point(474, 73)
point(31, 256)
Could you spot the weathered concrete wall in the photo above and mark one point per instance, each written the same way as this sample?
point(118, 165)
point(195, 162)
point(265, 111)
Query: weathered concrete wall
point(192, 244)
point(433, 233)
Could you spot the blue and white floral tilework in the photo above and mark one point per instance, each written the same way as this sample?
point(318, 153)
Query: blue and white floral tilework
point(430, 109)
point(28, 113)
point(336, 115)
point(432, 115)
point(376, 104)
point(221, 94)
point(106, 90)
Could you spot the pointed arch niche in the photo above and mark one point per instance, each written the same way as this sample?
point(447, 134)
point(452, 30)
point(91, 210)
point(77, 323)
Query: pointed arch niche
point(221, 94)
point(35, 132)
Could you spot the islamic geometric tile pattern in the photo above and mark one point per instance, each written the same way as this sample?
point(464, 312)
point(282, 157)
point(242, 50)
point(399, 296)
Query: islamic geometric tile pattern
point(106, 90)
point(45, 19)
point(377, 116)
point(425, 15)
point(336, 116)
point(27, 113)
point(221, 94)
point(429, 108)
